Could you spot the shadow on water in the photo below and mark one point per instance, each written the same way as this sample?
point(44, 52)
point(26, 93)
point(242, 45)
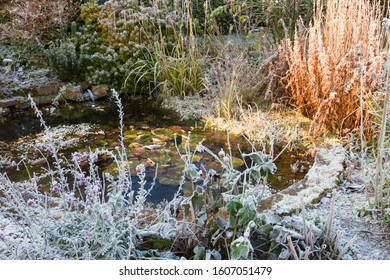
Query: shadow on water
point(144, 117)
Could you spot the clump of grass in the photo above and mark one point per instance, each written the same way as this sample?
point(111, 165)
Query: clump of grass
point(317, 246)
point(233, 79)
point(326, 65)
point(176, 66)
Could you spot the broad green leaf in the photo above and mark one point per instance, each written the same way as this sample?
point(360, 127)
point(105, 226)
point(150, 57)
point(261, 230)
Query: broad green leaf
point(240, 248)
point(200, 253)
point(246, 214)
point(191, 170)
point(197, 201)
point(232, 208)
point(257, 157)
point(269, 166)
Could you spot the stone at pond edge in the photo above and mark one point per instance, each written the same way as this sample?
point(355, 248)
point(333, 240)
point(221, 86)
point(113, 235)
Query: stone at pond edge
point(45, 90)
point(73, 93)
point(100, 91)
point(13, 101)
point(324, 175)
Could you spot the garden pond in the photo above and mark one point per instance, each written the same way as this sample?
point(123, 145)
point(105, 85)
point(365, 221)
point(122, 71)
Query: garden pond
point(152, 135)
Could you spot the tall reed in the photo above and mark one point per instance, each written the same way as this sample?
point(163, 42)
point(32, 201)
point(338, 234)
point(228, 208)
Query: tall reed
point(382, 158)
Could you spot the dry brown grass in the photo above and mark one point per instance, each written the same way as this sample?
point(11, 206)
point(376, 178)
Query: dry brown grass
point(336, 64)
point(42, 19)
point(233, 80)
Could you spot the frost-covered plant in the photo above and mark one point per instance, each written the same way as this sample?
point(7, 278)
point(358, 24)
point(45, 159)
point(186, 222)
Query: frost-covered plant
point(119, 34)
point(88, 214)
point(84, 214)
point(296, 238)
point(37, 19)
point(16, 70)
point(381, 180)
point(333, 72)
point(223, 205)
point(63, 59)
point(233, 79)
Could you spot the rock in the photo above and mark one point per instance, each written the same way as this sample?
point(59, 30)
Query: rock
point(73, 93)
point(46, 90)
point(13, 101)
point(354, 188)
point(322, 176)
point(100, 91)
point(85, 85)
point(40, 100)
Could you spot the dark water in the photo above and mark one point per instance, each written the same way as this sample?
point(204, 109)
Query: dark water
point(142, 116)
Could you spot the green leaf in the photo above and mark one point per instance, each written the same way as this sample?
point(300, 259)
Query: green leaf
point(191, 170)
point(232, 208)
point(200, 253)
point(197, 201)
point(269, 166)
point(246, 214)
point(240, 248)
point(161, 243)
point(257, 157)
point(265, 229)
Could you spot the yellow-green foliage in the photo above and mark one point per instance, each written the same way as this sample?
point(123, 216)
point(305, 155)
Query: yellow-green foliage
point(116, 36)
